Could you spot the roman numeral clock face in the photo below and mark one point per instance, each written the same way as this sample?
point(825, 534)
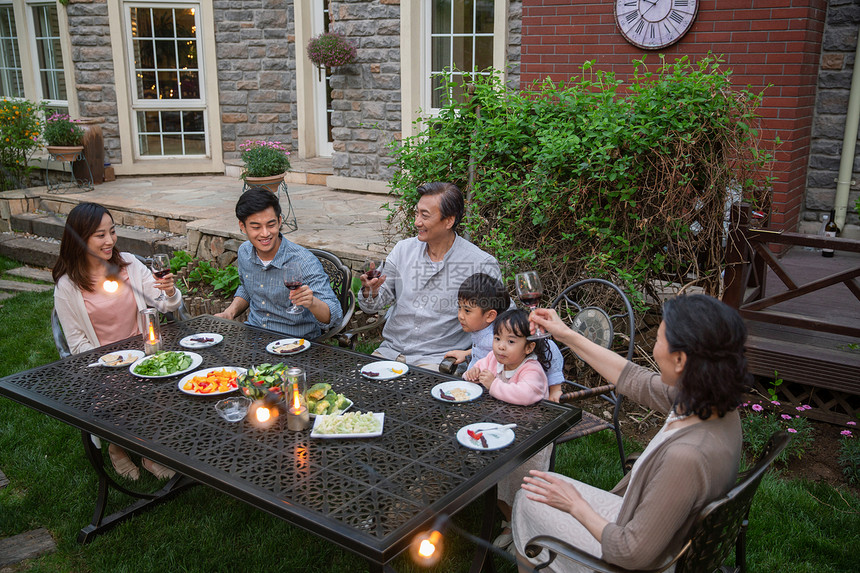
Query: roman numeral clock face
point(654, 24)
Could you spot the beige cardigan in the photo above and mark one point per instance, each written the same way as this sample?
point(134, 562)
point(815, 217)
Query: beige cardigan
point(72, 312)
point(691, 468)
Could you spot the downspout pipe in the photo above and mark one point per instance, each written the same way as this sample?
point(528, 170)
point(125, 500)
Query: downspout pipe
point(846, 163)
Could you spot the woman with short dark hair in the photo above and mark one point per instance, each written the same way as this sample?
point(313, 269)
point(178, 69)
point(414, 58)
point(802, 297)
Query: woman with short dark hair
point(691, 461)
point(90, 315)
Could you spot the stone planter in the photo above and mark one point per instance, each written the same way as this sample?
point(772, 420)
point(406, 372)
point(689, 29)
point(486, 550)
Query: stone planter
point(65, 153)
point(271, 182)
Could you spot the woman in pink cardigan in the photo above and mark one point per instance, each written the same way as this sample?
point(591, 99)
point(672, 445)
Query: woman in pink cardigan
point(691, 461)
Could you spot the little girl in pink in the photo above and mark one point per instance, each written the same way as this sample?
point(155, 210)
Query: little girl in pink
point(515, 371)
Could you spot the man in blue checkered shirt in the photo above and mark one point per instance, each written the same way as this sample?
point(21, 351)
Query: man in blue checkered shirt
point(261, 261)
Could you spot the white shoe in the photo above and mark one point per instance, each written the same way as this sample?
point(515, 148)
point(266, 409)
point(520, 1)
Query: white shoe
point(505, 538)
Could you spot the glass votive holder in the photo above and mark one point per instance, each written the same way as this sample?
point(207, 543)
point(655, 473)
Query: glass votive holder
point(298, 417)
point(150, 327)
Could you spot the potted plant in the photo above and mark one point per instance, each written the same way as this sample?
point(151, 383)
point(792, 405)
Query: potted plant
point(266, 163)
point(330, 50)
point(63, 137)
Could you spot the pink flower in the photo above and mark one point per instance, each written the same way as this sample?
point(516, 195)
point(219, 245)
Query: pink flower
point(785, 417)
point(846, 433)
point(774, 402)
point(757, 407)
point(851, 423)
point(792, 431)
point(745, 404)
point(799, 408)
point(806, 407)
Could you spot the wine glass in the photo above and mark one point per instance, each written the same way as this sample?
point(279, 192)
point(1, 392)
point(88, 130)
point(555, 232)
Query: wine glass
point(372, 268)
point(293, 280)
point(160, 266)
point(530, 291)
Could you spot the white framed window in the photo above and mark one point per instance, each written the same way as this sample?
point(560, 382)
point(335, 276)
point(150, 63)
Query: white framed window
point(11, 73)
point(461, 40)
point(48, 63)
point(167, 89)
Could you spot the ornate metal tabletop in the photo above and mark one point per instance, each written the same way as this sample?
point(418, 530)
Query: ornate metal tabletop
point(368, 495)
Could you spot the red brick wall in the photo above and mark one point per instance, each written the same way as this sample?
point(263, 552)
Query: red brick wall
point(765, 42)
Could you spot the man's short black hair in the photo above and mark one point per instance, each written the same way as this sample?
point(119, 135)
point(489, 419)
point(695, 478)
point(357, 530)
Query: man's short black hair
point(451, 203)
point(255, 200)
point(486, 292)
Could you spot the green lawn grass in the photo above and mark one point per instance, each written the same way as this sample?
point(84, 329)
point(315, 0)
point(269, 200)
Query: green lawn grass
point(795, 526)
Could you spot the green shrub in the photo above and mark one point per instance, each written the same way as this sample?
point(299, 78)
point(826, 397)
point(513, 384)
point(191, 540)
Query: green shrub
point(592, 179)
point(225, 280)
point(264, 158)
point(760, 423)
point(62, 130)
point(19, 139)
point(849, 457)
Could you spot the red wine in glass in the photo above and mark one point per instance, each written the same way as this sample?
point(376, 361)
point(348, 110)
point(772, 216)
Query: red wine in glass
point(161, 274)
point(160, 267)
point(373, 274)
point(372, 268)
point(292, 280)
point(530, 291)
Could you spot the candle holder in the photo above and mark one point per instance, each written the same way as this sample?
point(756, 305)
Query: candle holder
point(151, 330)
point(298, 417)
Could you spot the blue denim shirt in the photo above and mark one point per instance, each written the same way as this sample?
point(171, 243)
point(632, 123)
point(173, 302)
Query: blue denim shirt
point(263, 287)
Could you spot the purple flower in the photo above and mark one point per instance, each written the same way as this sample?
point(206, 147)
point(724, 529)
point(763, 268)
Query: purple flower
point(792, 431)
point(846, 433)
point(774, 402)
point(757, 407)
point(851, 423)
point(785, 417)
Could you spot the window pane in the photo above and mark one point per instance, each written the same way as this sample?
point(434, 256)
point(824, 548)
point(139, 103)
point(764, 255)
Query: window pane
point(168, 85)
point(190, 85)
point(441, 17)
point(195, 144)
point(437, 94)
point(165, 54)
point(171, 121)
point(187, 54)
point(441, 54)
point(463, 22)
point(49, 53)
point(141, 25)
point(193, 120)
point(484, 17)
point(463, 53)
point(150, 145)
point(162, 21)
point(11, 80)
point(185, 26)
point(483, 53)
point(148, 121)
point(144, 54)
point(146, 88)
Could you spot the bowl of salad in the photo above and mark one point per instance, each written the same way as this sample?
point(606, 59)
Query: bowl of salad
point(262, 379)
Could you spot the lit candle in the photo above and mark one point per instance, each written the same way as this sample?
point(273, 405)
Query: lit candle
point(298, 417)
point(151, 330)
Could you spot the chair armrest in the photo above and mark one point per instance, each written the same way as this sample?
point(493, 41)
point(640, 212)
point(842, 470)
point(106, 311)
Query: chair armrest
point(587, 393)
point(447, 366)
point(558, 547)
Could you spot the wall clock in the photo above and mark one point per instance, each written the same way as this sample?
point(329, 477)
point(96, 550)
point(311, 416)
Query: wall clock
point(654, 24)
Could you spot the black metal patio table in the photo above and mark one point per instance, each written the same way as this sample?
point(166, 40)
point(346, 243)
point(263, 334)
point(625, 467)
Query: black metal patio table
point(370, 496)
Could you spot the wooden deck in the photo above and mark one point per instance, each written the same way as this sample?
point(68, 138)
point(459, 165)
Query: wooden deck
point(802, 312)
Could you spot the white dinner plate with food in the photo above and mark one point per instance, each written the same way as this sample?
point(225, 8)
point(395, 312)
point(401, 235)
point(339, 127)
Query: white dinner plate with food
point(457, 391)
point(201, 340)
point(288, 346)
point(384, 370)
point(119, 358)
point(166, 364)
point(349, 425)
point(485, 436)
point(202, 377)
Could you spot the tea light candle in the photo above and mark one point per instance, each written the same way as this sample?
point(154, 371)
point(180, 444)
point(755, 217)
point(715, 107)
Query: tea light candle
point(298, 417)
point(151, 331)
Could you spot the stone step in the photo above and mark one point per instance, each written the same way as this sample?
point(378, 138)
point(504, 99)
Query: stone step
point(29, 251)
point(32, 274)
point(25, 545)
point(5, 296)
point(19, 286)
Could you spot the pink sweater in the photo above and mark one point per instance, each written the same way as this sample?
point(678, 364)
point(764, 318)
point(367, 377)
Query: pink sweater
point(527, 385)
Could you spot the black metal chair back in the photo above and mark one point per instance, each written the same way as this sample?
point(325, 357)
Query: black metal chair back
point(720, 525)
point(599, 310)
point(340, 278)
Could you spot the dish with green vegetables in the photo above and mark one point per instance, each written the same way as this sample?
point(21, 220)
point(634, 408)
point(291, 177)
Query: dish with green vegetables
point(166, 364)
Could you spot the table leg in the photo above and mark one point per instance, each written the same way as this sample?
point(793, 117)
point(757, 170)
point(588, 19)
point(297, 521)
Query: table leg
point(482, 560)
point(100, 523)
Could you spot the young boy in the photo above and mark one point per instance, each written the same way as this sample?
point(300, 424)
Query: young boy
point(480, 299)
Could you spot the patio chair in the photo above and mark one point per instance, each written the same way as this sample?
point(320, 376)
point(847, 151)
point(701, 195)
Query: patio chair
point(340, 278)
point(719, 525)
point(599, 310)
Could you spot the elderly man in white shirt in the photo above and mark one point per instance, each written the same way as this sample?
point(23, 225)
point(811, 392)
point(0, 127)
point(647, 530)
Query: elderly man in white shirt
point(422, 275)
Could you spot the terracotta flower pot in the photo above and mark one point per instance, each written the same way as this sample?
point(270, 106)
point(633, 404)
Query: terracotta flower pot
point(65, 153)
point(271, 182)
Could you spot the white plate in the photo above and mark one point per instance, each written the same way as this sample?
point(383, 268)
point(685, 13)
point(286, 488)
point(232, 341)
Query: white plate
point(128, 357)
point(272, 348)
point(187, 342)
point(384, 370)
point(196, 360)
point(495, 439)
point(204, 372)
point(348, 406)
point(379, 416)
point(473, 390)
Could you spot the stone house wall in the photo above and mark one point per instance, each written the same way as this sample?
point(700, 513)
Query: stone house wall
point(828, 128)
